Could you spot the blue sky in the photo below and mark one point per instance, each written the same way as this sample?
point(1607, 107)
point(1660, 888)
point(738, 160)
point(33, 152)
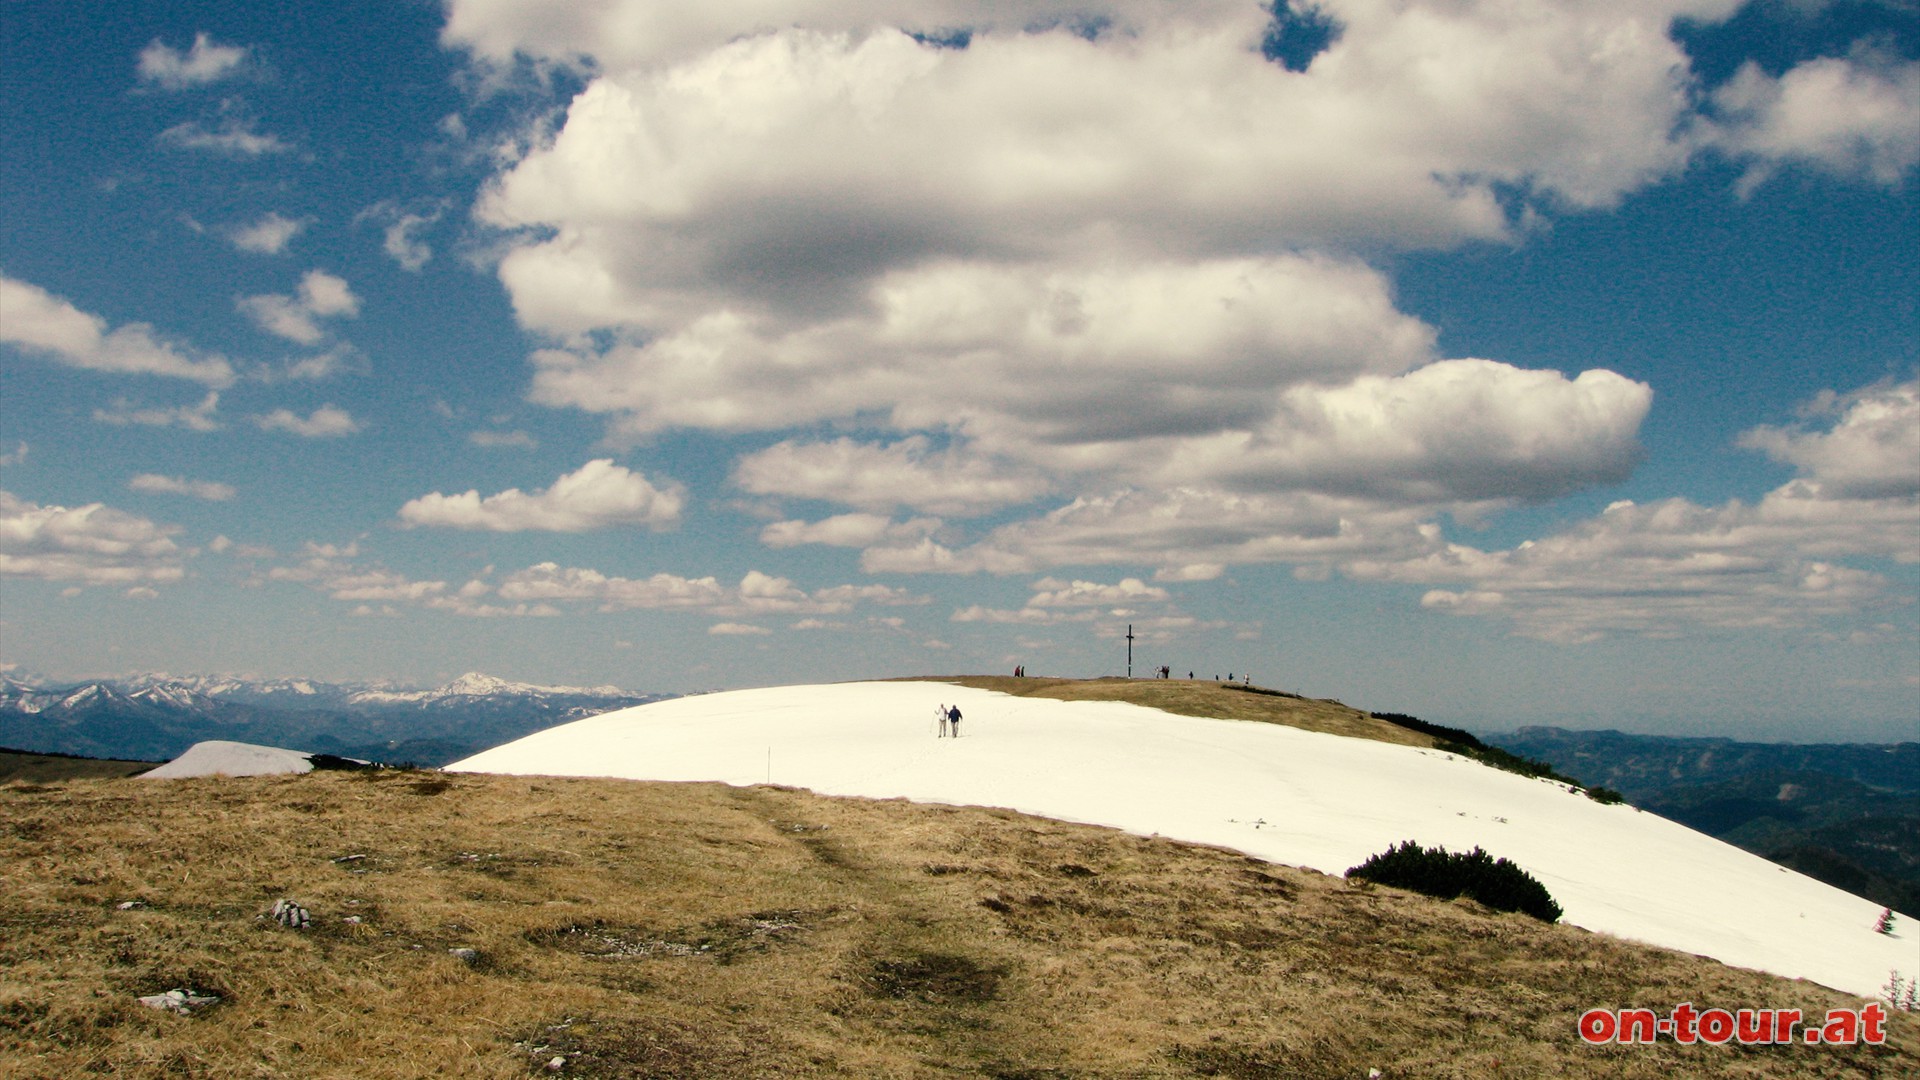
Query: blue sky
point(1498, 363)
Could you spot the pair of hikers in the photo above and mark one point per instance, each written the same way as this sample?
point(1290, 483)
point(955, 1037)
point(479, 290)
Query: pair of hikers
point(949, 719)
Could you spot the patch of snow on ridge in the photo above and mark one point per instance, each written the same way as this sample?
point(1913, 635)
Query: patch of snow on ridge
point(220, 758)
point(1277, 793)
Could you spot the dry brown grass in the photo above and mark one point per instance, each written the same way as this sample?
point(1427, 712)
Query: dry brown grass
point(1205, 697)
point(695, 930)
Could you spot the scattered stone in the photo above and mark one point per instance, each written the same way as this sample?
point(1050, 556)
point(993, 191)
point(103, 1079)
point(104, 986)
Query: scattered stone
point(291, 915)
point(349, 858)
point(129, 905)
point(466, 956)
point(353, 920)
point(181, 1002)
point(556, 1063)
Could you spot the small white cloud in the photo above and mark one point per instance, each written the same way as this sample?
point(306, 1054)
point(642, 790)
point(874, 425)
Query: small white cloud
point(268, 236)
point(324, 422)
point(728, 629)
point(191, 417)
point(324, 294)
point(1049, 592)
point(403, 228)
point(282, 316)
point(202, 63)
point(320, 295)
point(154, 483)
point(340, 359)
point(18, 455)
point(234, 137)
point(598, 495)
point(848, 530)
point(1189, 572)
point(39, 322)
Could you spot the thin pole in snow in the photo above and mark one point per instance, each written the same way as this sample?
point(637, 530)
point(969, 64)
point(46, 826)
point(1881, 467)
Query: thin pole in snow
point(1129, 650)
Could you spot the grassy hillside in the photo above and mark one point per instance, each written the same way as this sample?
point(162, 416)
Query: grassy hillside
point(1225, 701)
point(25, 766)
point(694, 930)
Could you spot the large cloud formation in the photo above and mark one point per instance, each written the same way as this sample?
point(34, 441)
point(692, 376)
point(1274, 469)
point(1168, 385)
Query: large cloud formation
point(1649, 568)
point(92, 545)
point(971, 257)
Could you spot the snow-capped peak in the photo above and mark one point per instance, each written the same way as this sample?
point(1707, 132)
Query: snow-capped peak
point(474, 684)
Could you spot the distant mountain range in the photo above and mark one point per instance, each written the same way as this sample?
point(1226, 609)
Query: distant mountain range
point(157, 716)
point(1845, 813)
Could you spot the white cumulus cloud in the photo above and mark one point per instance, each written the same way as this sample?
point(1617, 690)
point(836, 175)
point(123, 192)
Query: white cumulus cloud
point(92, 544)
point(268, 236)
point(320, 295)
point(598, 495)
point(325, 422)
point(202, 63)
point(1659, 567)
point(41, 323)
point(1857, 115)
point(1871, 451)
point(882, 477)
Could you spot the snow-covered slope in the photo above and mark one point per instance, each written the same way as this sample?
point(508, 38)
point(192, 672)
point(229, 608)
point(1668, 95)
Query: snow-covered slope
point(221, 758)
point(1278, 793)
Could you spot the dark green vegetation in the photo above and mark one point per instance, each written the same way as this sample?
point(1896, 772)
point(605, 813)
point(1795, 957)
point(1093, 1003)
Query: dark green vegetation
point(1476, 875)
point(638, 930)
point(1847, 814)
point(1458, 741)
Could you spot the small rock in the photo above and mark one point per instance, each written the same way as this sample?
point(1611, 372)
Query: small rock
point(129, 905)
point(349, 858)
point(291, 915)
point(181, 1002)
point(466, 956)
point(353, 920)
point(557, 1063)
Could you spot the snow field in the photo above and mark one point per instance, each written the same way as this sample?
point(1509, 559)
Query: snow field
point(1274, 792)
point(220, 758)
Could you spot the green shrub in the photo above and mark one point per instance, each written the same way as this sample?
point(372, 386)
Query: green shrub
point(1497, 883)
point(1605, 795)
point(1458, 741)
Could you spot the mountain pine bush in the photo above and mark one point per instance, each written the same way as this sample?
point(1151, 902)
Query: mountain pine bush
point(1497, 883)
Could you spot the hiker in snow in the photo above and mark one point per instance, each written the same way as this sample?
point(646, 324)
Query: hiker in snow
point(953, 718)
point(940, 718)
